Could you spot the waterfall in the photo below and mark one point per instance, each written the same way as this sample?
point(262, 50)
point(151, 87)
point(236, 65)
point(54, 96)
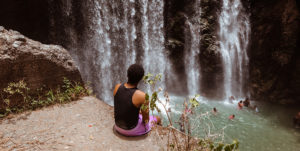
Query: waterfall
point(116, 34)
point(233, 35)
point(192, 50)
point(155, 60)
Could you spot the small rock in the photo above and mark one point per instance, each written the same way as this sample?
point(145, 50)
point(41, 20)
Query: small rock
point(1, 29)
point(70, 63)
point(17, 44)
point(13, 32)
point(19, 38)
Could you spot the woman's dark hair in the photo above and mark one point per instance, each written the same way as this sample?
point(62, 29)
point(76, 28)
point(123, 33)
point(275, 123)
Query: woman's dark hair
point(135, 73)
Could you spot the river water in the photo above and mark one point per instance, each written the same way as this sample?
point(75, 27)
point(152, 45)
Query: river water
point(270, 129)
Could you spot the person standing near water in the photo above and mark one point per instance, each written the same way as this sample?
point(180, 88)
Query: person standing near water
point(255, 109)
point(128, 100)
point(240, 105)
point(214, 111)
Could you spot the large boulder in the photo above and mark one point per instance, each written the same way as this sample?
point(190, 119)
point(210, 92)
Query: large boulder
point(37, 64)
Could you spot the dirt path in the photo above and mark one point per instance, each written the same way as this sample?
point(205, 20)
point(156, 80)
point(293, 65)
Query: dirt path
point(84, 125)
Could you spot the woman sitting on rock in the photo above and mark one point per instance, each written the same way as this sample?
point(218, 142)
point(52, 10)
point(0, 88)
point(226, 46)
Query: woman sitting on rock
point(128, 100)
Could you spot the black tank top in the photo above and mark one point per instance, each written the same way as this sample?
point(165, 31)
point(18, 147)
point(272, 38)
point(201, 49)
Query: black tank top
point(126, 114)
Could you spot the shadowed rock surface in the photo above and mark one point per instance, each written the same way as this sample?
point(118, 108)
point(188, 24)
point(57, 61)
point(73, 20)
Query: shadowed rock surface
point(39, 65)
point(274, 50)
point(210, 56)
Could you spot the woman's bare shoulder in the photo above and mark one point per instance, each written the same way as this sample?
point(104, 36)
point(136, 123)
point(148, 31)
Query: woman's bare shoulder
point(138, 98)
point(116, 88)
point(140, 93)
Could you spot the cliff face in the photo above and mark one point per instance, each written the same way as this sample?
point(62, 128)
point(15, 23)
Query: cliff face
point(210, 57)
point(177, 12)
point(175, 16)
point(274, 50)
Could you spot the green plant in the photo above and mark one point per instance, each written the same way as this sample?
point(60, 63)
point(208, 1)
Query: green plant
point(17, 97)
point(19, 88)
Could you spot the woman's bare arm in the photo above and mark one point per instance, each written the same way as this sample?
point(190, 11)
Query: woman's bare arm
point(138, 100)
point(116, 88)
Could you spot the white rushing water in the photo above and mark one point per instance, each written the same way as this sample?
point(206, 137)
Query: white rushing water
point(155, 60)
point(192, 50)
point(234, 36)
point(118, 34)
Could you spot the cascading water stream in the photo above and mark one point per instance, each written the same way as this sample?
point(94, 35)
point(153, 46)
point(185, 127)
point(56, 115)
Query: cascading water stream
point(117, 34)
point(192, 50)
point(155, 60)
point(234, 33)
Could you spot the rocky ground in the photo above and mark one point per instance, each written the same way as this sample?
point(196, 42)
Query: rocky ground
point(86, 124)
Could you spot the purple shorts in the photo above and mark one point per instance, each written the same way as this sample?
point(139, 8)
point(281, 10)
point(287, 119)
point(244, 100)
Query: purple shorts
point(140, 129)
